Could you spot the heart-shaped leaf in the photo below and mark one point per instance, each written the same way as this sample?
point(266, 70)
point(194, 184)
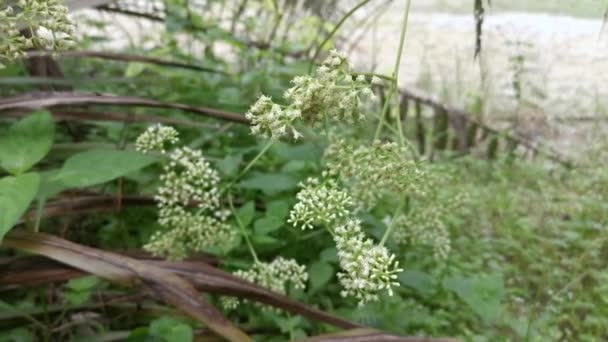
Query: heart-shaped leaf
point(16, 194)
point(26, 142)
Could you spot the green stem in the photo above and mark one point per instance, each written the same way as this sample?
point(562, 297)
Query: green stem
point(391, 225)
point(243, 231)
point(372, 74)
point(400, 130)
point(395, 81)
point(251, 163)
point(331, 34)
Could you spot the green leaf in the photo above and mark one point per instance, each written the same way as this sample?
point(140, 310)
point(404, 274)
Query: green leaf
point(100, 166)
point(16, 194)
point(278, 209)
point(270, 183)
point(82, 283)
point(246, 213)
point(419, 281)
point(79, 290)
point(320, 274)
point(26, 142)
point(330, 254)
point(230, 164)
point(483, 295)
point(171, 330)
point(306, 151)
point(266, 225)
point(264, 240)
point(17, 335)
point(134, 69)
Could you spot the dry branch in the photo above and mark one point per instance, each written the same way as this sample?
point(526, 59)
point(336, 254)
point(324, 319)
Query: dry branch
point(127, 271)
point(124, 57)
point(36, 100)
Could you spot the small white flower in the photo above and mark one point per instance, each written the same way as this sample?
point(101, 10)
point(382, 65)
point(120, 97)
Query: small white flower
point(155, 138)
point(320, 204)
point(367, 269)
point(376, 80)
point(372, 171)
point(276, 275)
point(188, 177)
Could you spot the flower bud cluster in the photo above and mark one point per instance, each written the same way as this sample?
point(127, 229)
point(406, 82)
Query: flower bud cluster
point(371, 171)
point(333, 94)
point(424, 226)
point(155, 138)
point(274, 276)
point(47, 22)
point(320, 204)
point(270, 120)
point(188, 232)
point(187, 180)
point(367, 268)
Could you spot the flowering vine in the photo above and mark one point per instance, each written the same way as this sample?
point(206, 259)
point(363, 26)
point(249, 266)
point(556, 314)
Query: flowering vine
point(45, 23)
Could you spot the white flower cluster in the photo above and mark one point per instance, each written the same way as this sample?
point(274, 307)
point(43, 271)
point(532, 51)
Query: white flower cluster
point(370, 171)
point(424, 226)
point(320, 204)
point(273, 276)
point(426, 223)
point(155, 138)
point(270, 120)
point(333, 94)
point(367, 268)
point(187, 180)
point(189, 232)
point(46, 20)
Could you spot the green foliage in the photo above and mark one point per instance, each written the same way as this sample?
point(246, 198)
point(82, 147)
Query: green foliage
point(26, 142)
point(16, 194)
point(528, 248)
point(169, 329)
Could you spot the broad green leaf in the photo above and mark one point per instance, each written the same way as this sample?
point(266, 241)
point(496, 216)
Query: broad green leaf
point(171, 330)
point(26, 142)
point(134, 69)
point(278, 209)
point(320, 274)
point(329, 254)
point(306, 151)
point(246, 213)
point(267, 224)
point(419, 281)
point(100, 166)
point(230, 164)
point(270, 183)
point(16, 194)
point(50, 185)
point(483, 295)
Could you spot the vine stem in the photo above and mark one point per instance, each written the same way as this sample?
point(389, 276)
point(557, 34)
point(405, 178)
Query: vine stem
point(395, 75)
point(391, 226)
point(242, 229)
point(331, 34)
